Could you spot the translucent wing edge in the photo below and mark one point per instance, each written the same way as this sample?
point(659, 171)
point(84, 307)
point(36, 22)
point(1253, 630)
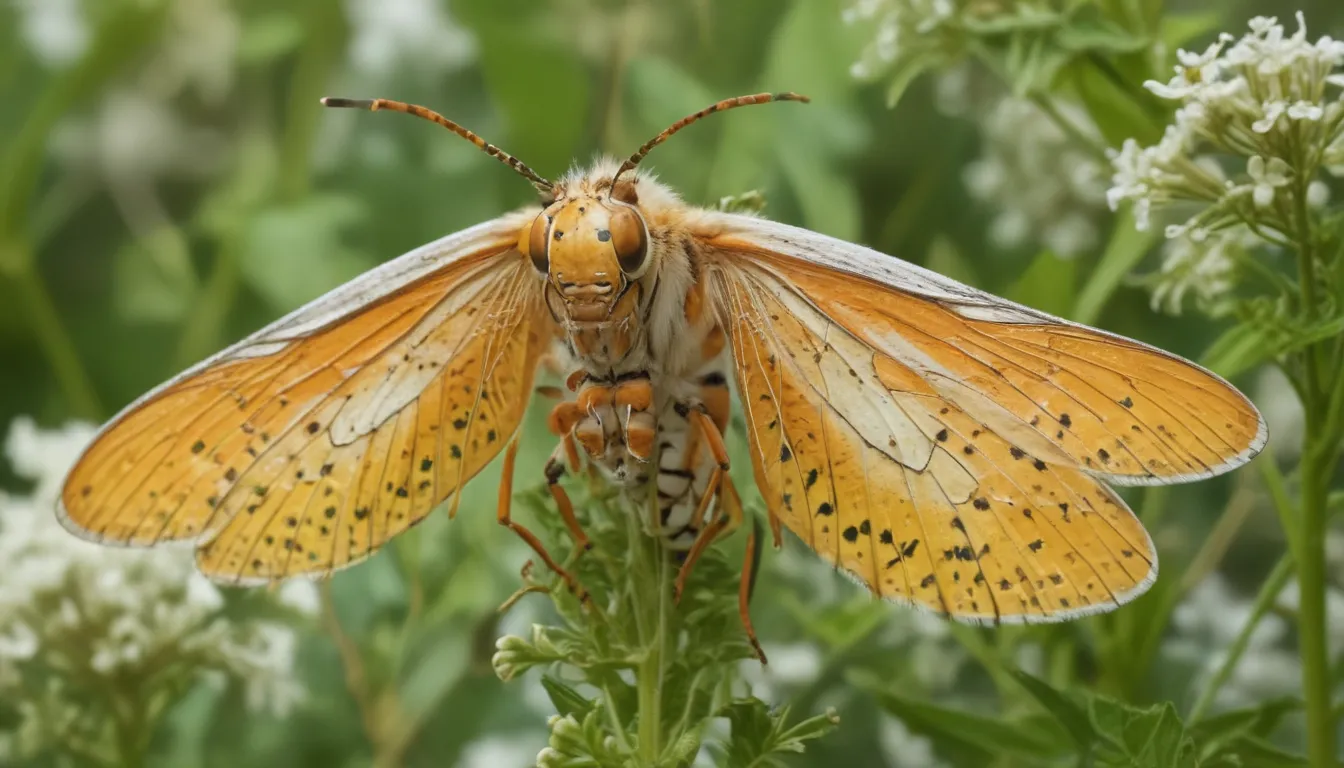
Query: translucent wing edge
point(971, 303)
point(340, 302)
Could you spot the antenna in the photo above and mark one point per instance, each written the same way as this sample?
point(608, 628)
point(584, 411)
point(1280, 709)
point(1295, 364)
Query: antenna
point(726, 104)
point(373, 105)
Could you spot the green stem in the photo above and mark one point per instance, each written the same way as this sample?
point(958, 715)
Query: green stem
point(1312, 620)
point(651, 667)
point(1091, 143)
point(1264, 600)
point(1320, 451)
point(55, 341)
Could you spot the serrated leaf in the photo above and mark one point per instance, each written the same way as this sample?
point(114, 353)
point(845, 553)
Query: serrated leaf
point(1125, 250)
point(1069, 713)
point(757, 732)
point(565, 698)
point(1153, 737)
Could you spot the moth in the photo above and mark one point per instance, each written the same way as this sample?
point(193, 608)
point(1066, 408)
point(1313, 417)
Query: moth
point(947, 448)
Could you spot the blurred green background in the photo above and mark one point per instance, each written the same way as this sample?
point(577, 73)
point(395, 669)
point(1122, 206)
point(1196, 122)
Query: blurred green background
point(169, 183)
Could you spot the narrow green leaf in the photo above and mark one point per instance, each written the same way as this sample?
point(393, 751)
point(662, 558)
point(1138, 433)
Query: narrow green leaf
point(1240, 348)
point(982, 736)
point(1088, 30)
point(566, 699)
point(904, 74)
point(1070, 714)
point(1126, 248)
point(1177, 29)
point(1113, 109)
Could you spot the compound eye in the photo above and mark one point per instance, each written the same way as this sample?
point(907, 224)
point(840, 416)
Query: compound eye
point(629, 239)
point(538, 244)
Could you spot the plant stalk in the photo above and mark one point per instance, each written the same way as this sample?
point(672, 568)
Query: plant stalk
point(1320, 451)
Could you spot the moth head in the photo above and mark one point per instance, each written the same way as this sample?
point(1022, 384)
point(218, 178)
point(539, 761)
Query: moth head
point(591, 249)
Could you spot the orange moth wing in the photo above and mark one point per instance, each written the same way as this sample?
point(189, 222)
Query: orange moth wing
point(948, 447)
point(305, 447)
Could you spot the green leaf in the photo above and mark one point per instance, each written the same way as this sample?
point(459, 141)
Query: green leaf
point(1031, 63)
point(1240, 348)
point(566, 699)
point(1047, 284)
point(1224, 734)
point(1090, 31)
point(1113, 109)
point(295, 252)
point(829, 201)
point(1254, 752)
point(757, 732)
point(976, 738)
point(1069, 713)
point(1177, 29)
point(1024, 17)
point(905, 72)
point(152, 278)
point(431, 675)
point(268, 36)
point(1126, 248)
point(945, 259)
point(1153, 737)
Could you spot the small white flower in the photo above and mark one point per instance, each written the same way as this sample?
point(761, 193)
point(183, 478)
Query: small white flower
point(1267, 177)
point(1273, 110)
point(54, 30)
point(1318, 194)
point(301, 595)
point(389, 33)
point(1305, 110)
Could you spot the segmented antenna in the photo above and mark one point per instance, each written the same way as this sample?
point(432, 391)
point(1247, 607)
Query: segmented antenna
point(373, 105)
point(740, 101)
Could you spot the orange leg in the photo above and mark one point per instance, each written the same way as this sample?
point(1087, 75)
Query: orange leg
point(706, 536)
point(506, 501)
point(729, 515)
point(744, 595)
point(710, 431)
point(555, 469)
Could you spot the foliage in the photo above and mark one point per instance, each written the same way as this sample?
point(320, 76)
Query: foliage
point(168, 183)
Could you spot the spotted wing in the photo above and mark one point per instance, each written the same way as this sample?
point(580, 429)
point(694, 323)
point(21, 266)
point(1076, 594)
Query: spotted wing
point(950, 448)
point(305, 447)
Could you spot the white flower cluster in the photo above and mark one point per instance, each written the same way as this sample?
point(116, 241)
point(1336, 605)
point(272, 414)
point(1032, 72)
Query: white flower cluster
point(1256, 99)
point(901, 28)
point(81, 617)
point(1043, 188)
point(1203, 265)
